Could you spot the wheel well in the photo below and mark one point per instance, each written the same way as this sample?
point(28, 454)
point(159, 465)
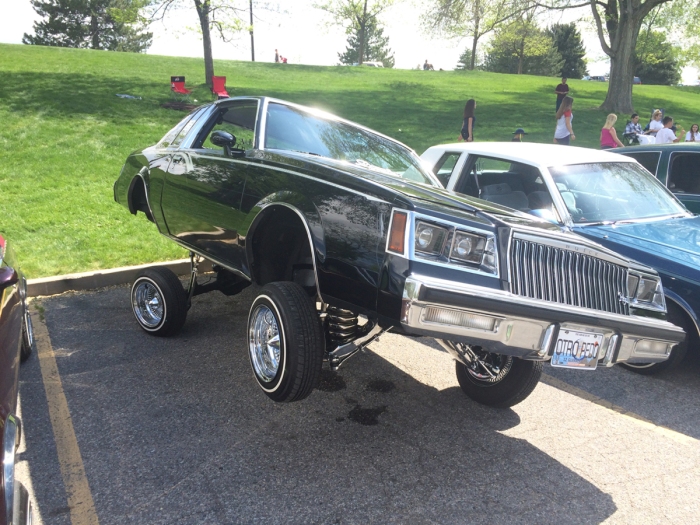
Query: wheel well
point(674, 309)
point(137, 197)
point(281, 251)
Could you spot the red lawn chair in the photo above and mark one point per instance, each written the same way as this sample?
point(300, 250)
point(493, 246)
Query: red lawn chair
point(218, 87)
point(177, 86)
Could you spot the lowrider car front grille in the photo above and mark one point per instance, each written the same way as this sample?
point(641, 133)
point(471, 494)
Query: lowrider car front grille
point(562, 276)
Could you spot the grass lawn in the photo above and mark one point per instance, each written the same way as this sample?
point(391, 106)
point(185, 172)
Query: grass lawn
point(65, 134)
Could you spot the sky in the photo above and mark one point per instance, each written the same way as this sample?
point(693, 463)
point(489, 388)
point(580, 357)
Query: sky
point(303, 35)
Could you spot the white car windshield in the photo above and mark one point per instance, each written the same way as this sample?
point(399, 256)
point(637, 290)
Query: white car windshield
point(292, 129)
point(612, 191)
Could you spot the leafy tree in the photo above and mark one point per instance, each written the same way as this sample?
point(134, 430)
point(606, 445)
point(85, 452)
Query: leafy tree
point(567, 40)
point(656, 60)
point(95, 24)
point(523, 48)
point(376, 47)
point(356, 16)
point(474, 18)
point(465, 61)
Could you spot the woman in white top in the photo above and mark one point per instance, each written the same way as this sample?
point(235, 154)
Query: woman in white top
point(693, 135)
point(564, 132)
point(655, 124)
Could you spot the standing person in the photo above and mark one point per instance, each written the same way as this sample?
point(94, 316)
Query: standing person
point(564, 133)
point(655, 123)
point(277, 56)
point(693, 135)
point(518, 135)
point(467, 132)
point(608, 135)
point(666, 135)
point(561, 90)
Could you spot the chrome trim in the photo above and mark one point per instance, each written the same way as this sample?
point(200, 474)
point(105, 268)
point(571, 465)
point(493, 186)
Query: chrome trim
point(11, 438)
point(208, 257)
point(409, 241)
point(522, 336)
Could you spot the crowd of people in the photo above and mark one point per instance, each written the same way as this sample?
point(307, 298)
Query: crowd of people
point(660, 130)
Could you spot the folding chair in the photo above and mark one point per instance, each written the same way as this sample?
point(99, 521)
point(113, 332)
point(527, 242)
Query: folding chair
point(177, 86)
point(218, 87)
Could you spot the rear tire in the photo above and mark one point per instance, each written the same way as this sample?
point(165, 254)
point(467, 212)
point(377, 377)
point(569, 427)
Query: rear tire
point(677, 317)
point(159, 301)
point(517, 380)
point(285, 342)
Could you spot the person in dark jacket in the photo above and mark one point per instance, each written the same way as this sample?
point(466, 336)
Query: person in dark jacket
point(467, 133)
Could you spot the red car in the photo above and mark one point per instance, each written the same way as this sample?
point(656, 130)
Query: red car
point(16, 342)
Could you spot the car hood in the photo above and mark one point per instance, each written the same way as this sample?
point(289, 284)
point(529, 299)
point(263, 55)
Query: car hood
point(676, 240)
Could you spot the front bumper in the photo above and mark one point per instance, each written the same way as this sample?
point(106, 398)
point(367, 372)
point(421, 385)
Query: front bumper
point(509, 324)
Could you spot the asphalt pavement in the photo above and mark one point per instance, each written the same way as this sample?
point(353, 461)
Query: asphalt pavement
point(176, 431)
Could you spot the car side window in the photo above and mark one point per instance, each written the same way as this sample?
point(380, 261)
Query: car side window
point(445, 166)
point(510, 184)
point(648, 159)
point(683, 174)
point(238, 120)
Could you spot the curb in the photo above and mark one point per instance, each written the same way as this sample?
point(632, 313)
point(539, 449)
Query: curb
point(103, 278)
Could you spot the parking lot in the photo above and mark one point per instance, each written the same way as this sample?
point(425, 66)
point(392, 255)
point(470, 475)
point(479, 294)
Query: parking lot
point(121, 427)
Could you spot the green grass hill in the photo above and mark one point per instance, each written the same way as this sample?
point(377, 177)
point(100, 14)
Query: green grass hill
point(65, 133)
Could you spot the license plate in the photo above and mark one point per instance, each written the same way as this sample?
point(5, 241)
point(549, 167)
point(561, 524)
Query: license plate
point(577, 350)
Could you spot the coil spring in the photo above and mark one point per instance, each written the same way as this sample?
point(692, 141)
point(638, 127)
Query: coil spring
point(341, 325)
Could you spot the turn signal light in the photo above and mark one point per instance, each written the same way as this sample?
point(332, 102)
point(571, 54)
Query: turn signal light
point(398, 232)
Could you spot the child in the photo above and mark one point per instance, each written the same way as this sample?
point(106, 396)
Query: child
point(666, 135)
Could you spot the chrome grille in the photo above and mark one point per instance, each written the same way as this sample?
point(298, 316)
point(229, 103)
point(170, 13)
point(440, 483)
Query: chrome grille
point(562, 276)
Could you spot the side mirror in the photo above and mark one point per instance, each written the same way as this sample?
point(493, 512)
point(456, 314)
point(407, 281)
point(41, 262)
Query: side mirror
point(223, 139)
point(545, 214)
point(8, 277)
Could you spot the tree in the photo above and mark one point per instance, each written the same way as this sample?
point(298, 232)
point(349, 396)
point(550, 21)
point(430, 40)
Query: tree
point(356, 16)
point(523, 48)
point(376, 47)
point(465, 61)
point(474, 18)
point(95, 24)
point(223, 16)
point(656, 60)
point(567, 41)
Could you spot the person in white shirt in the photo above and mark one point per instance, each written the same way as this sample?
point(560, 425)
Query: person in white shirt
point(693, 135)
point(666, 134)
point(655, 124)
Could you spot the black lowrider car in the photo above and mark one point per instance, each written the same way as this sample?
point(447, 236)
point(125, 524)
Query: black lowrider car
point(16, 342)
point(349, 235)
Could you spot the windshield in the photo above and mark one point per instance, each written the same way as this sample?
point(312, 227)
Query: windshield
point(292, 129)
point(612, 191)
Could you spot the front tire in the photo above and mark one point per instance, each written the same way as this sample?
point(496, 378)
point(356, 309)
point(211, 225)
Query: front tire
point(159, 301)
point(285, 342)
point(514, 381)
point(679, 351)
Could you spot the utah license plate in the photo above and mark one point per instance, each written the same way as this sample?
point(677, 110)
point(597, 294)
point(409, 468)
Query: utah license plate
point(577, 350)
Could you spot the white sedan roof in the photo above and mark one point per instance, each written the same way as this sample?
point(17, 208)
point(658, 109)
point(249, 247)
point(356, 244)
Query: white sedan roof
point(540, 155)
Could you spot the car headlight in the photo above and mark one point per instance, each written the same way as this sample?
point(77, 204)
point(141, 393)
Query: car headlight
point(440, 242)
point(646, 292)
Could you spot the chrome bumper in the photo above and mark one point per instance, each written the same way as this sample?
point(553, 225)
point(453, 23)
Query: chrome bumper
point(509, 324)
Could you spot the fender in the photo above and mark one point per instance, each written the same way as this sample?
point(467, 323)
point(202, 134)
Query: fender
point(307, 213)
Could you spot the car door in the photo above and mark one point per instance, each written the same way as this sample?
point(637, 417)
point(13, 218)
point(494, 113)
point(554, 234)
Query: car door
point(204, 185)
point(684, 178)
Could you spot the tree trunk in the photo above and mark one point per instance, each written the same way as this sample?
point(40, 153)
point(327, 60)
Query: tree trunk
point(476, 35)
point(472, 64)
point(252, 40)
point(363, 34)
point(203, 7)
point(619, 97)
point(94, 30)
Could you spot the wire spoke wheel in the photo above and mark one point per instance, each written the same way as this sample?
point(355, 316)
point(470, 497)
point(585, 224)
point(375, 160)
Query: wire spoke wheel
point(264, 343)
point(148, 304)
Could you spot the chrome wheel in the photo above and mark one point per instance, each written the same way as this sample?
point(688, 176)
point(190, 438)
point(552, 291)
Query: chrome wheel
point(148, 304)
point(264, 343)
point(488, 367)
point(28, 330)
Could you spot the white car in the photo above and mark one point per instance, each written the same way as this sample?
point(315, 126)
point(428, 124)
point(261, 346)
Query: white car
point(608, 198)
